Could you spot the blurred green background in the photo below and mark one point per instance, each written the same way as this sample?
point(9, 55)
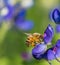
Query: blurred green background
point(12, 41)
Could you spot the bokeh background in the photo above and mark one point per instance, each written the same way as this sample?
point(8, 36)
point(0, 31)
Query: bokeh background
point(13, 50)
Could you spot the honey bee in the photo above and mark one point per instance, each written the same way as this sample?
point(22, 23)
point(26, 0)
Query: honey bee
point(34, 39)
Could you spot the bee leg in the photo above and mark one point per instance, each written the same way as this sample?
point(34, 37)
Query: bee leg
point(57, 59)
point(49, 62)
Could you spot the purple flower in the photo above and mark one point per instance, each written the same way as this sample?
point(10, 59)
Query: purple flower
point(18, 15)
point(53, 52)
point(24, 25)
point(38, 50)
point(58, 53)
point(50, 55)
point(58, 43)
point(9, 12)
point(48, 34)
point(21, 23)
point(55, 15)
point(58, 28)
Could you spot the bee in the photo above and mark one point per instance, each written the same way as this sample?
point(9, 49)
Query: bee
point(34, 39)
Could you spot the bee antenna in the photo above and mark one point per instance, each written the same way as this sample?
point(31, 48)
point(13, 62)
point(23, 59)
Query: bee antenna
point(27, 34)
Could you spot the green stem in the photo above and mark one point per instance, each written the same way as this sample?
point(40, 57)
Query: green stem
point(3, 30)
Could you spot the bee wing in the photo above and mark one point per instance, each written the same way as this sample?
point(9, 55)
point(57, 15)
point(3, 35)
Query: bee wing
point(48, 34)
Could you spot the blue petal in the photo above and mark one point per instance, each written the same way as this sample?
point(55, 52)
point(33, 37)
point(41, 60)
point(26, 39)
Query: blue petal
point(58, 53)
point(9, 14)
point(24, 25)
point(58, 28)
point(58, 43)
point(50, 55)
point(38, 51)
point(21, 15)
point(48, 34)
point(56, 16)
point(11, 11)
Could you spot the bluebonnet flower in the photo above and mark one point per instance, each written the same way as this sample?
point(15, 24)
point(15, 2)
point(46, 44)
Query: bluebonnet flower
point(21, 22)
point(55, 15)
point(9, 12)
point(40, 49)
point(52, 53)
point(57, 28)
point(17, 14)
